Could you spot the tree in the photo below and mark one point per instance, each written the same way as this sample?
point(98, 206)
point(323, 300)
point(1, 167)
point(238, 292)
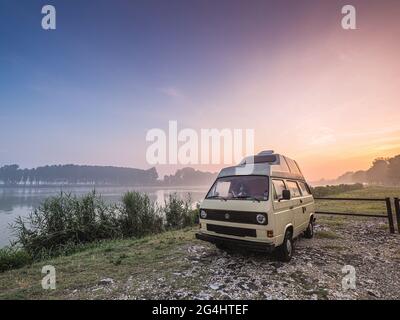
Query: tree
point(359, 176)
point(9, 174)
point(378, 173)
point(393, 171)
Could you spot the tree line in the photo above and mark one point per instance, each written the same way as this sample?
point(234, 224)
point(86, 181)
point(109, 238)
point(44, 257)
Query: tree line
point(13, 175)
point(190, 177)
point(76, 174)
point(383, 171)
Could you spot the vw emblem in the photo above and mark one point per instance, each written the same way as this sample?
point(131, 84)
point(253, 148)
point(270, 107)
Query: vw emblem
point(227, 216)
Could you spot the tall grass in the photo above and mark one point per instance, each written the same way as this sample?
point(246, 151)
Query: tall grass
point(64, 222)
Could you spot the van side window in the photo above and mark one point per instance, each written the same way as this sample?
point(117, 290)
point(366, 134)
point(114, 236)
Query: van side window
point(282, 166)
point(279, 186)
point(297, 165)
point(304, 189)
point(294, 188)
point(293, 166)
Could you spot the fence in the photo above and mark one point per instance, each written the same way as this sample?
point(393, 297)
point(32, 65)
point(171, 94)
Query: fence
point(388, 214)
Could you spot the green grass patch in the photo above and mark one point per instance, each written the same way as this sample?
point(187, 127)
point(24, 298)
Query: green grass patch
point(326, 234)
point(366, 207)
point(81, 271)
point(12, 258)
point(333, 221)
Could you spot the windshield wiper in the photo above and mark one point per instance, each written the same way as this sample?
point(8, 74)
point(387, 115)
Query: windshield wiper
point(216, 197)
point(248, 197)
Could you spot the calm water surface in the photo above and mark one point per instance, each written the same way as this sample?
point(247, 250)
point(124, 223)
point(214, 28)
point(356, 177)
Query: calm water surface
point(16, 202)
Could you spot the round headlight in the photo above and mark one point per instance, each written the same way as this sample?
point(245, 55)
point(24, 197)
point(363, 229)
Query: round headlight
point(203, 214)
point(261, 218)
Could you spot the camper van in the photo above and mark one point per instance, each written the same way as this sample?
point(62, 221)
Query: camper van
point(262, 204)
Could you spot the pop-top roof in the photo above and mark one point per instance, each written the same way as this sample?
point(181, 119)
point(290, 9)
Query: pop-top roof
point(265, 163)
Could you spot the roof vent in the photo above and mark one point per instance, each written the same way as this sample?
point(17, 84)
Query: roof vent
point(266, 152)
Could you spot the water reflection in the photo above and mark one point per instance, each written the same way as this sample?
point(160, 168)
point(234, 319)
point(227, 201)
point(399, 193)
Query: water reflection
point(16, 202)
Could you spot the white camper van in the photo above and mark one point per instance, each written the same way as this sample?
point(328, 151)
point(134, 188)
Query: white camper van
point(261, 204)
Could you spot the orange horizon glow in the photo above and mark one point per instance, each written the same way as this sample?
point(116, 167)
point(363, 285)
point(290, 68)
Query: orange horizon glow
point(329, 99)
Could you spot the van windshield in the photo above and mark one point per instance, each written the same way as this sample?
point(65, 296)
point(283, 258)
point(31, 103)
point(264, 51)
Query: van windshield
point(240, 188)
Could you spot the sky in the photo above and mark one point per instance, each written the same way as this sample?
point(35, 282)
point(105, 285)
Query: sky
point(89, 91)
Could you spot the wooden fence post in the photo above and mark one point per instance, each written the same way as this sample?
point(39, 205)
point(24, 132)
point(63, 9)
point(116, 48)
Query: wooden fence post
point(397, 208)
point(390, 214)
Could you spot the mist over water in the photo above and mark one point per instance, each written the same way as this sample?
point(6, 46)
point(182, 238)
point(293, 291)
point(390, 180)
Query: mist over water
point(16, 201)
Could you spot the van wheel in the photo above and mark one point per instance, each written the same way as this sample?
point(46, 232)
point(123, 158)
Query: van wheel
point(285, 250)
point(309, 233)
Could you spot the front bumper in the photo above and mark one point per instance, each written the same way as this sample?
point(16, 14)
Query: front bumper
point(236, 243)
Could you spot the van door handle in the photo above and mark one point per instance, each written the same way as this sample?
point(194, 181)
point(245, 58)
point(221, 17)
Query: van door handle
point(301, 201)
point(291, 207)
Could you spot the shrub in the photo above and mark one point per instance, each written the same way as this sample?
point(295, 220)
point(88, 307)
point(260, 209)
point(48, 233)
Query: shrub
point(331, 190)
point(64, 221)
point(179, 213)
point(12, 258)
point(139, 216)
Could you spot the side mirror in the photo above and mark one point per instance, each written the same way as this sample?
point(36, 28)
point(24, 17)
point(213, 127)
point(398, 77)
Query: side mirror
point(286, 195)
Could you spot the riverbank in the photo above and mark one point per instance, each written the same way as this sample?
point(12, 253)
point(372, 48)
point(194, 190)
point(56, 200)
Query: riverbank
point(174, 265)
point(21, 202)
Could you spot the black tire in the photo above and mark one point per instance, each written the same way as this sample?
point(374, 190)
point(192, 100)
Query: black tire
point(285, 250)
point(309, 233)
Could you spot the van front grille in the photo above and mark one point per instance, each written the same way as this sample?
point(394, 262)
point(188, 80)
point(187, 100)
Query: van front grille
point(235, 216)
point(232, 231)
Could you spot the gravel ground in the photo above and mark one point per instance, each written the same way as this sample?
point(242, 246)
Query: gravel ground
point(315, 272)
point(198, 270)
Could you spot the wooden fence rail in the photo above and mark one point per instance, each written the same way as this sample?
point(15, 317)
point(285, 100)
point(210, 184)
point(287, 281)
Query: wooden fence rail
point(388, 215)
